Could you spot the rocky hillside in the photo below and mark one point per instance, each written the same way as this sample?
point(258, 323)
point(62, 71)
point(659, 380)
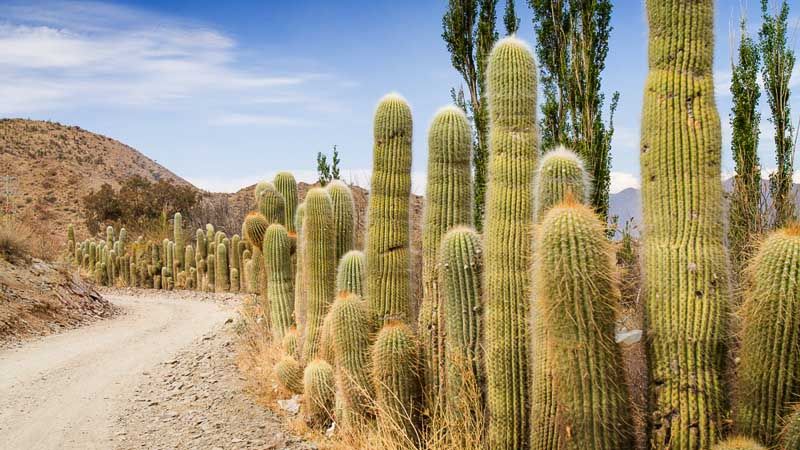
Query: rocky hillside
point(55, 165)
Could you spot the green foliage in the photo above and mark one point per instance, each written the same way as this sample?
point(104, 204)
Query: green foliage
point(509, 225)
point(328, 172)
point(769, 372)
point(685, 264)
point(577, 295)
point(388, 258)
point(278, 264)
point(572, 43)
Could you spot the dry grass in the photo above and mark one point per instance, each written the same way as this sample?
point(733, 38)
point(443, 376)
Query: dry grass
point(15, 240)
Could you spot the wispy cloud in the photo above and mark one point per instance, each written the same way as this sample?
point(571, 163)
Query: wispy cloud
point(623, 180)
point(236, 119)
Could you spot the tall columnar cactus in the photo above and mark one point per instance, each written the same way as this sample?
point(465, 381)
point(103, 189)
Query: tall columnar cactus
point(319, 388)
point(180, 243)
point(769, 373)
point(740, 443)
point(255, 225)
point(686, 287)
point(388, 258)
point(560, 175)
point(460, 268)
point(278, 263)
point(790, 435)
point(448, 202)
point(320, 265)
point(211, 273)
point(350, 273)
point(235, 257)
point(110, 238)
point(222, 277)
point(577, 296)
point(513, 144)
point(285, 184)
point(344, 216)
point(300, 292)
point(395, 361)
point(209, 233)
point(350, 324)
point(290, 374)
point(271, 204)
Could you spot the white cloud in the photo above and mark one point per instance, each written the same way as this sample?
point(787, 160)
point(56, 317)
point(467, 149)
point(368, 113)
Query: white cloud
point(623, 180)
point(78, 54)
point(236, 119)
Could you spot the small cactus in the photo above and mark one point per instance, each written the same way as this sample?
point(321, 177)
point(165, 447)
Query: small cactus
point(740, 443)
point(271, 204)
point(291, 342)
point(255, 225)
point(350, 273)
point(289, 374)
point(278, 264)
point(319, 388)
point(343, 217)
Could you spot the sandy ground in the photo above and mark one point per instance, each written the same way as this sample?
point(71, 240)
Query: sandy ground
point(110, 384)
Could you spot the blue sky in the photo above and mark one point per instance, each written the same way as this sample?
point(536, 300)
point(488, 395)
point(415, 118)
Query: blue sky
point(227, 94)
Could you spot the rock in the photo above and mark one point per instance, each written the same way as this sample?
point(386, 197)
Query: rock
point(628, 337)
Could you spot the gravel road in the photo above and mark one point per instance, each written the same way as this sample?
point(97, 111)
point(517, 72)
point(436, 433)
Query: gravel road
point(102, 386)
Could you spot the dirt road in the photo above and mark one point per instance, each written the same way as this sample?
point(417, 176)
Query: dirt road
point(71, 391)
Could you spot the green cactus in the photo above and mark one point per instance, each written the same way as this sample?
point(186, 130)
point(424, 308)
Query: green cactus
point(285, 184)
point(513, 144)
point(278, 264)
point(157, 282)
point(577, 296)
point(255, 225)
point(395, 361)
point(188, 254)
point(235, 280)
point(740, 443)
point(210, 232)
point(388, 257)
point(350, 273)
point(289, 374)
point(291, 342)
point(211, 273)
point(251, 277)
point(685, 266)
point(320, 265)
point(180, 243)
point(319, 388)
point(71, 233)
point(350, 332)
point(235, 257)
point(460, 267)
point(222, 275)
point(769, 372)
point(448, 203)
point(110, 236)
point(300, 292)
point(271, 204)
point(790, 435)
point(326, 348)
point(164, 278)
point(344, 216)
point(560, 175)
point(200, 243)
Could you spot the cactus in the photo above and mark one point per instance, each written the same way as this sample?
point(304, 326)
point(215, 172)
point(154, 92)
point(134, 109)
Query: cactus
point(200, 243)
point(271, 203)
point(396, 381)
point(291, 342)
point(71, 233)
point(685, 264)
point(180, 244)
point(278, 265)
point(157, 282)
point(344, 212)
point(560, 175)
point(251, 277)
point(211, 272)
point(222, 276)
point(350, 273)
point(740, 443)
point(318, 389)
point(188, 254)
point(769, 372)
point(289, 374)
point(460, 267)
point(448, 202)
point(255, 225)
point(388, 258)
point(513, 144)
point(235, 256)
point(300, 292)
point(350, 332)
point(320, 265)
point(285, 184)
point(577, 295)
point(234, 280)
point(110, 236)
point(790, 435)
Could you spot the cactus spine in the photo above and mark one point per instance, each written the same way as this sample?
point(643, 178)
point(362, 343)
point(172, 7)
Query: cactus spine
point(344, 216)
point(685, 265)
point(350, 273)
point(319, 388)
point(448, 202)
point(285, 184)
point(320, 265)
point(291, 343)
point(350, 324)
point(397, 390)
point(790, 435)
point(290, 374)
point(271, 203)
point(577, 295)
point(460, 267)
point(740, 443)
point(300, 292)
point(388, 259)
point(255, 225)
point(513, 143)
point(560, 175)
point(278, 264)
point(769, 372)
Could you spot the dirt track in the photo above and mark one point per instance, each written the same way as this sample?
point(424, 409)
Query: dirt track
point(83, 388)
